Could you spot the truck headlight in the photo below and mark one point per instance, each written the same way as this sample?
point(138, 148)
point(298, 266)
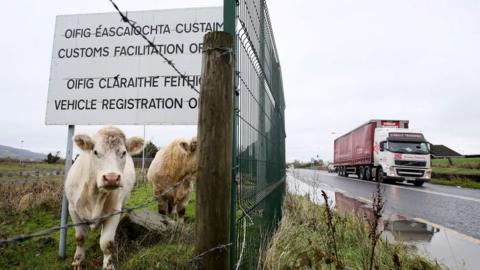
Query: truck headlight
point(391, 171)
point(428, 173)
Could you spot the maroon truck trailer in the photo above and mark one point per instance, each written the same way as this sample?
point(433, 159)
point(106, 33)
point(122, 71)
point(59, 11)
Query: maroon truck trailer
point(383, 149)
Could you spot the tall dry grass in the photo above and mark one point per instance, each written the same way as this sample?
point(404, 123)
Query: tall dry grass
point(24, 196)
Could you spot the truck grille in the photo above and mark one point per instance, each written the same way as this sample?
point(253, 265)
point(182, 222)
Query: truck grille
point(410, 172)
point(411, 163)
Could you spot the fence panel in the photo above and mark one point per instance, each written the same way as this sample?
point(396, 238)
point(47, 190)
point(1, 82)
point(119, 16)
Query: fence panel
point(259, 133)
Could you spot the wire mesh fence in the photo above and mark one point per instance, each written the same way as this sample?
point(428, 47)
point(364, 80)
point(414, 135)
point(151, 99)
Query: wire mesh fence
point(259, 135)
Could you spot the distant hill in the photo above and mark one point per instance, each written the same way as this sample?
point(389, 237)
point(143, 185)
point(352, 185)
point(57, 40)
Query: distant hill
point(16, 153)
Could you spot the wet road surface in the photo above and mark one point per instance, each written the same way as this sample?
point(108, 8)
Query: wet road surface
point(451, 207)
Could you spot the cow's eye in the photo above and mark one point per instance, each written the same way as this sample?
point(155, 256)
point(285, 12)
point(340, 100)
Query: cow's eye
point(124, 153)
point(95, 153)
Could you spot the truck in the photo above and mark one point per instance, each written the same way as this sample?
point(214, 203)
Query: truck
point(384, 150)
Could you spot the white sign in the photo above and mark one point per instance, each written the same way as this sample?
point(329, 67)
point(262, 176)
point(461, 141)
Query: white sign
point(104, 73)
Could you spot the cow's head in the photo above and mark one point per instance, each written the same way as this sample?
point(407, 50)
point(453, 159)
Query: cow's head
point(108, 150)
point(190, 147)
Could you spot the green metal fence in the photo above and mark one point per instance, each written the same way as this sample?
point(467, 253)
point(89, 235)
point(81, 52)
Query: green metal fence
point(259, 132)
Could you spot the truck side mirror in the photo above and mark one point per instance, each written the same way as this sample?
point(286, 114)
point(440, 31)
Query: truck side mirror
point(382, 146)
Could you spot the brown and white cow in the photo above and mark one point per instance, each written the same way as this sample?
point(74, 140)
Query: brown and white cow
point(177, 162)
point(99, 183)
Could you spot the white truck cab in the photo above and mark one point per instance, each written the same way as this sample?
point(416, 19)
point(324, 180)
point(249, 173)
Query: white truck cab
point(401, 155)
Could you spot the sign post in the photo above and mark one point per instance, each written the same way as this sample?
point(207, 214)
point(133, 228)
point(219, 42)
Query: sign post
point(64, 216)
point(143, 157)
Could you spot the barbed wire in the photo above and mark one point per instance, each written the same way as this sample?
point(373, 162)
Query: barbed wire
point(151, 43)
point(24, 237)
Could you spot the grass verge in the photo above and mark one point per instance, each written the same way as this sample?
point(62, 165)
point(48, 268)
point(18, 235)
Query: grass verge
point(457, 182)
point(456, 171)
point(301, 242)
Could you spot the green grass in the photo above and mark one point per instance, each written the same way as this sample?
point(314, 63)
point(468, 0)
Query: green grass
point(301, 242)
point(456, 171)
point(41, 253)
point(461, 166)
point(144, 192)
point(141, 194)
point(15, 166)
point(161, 256)
point(464, 172)
point(461, 182)
point(460, 161)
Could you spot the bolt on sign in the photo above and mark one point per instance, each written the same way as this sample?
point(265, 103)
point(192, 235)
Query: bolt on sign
point(104, 72)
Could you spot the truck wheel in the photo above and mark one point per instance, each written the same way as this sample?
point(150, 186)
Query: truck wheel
point(379, 177)
point(418, 183)
point(345, 172)
point(361, 173)
point(368, 173)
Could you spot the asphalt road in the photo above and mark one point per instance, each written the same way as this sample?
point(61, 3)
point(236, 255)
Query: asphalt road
point(451, 207)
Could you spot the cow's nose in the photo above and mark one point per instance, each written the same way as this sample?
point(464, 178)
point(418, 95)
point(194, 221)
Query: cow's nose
point(111, 180)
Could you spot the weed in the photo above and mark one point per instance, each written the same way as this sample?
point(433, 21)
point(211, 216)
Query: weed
point(332, 244)
point(374, 232)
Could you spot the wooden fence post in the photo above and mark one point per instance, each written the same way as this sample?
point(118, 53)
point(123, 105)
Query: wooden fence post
point(215, 133)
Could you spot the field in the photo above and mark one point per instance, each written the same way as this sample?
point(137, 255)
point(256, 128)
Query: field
point(43, 211)
point(469, 163)
point(7, 166)
point(463, 172)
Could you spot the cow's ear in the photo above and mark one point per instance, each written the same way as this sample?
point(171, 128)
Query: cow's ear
point(185, 146)
point(84, 142)
point(134, 145)
point(193, 145)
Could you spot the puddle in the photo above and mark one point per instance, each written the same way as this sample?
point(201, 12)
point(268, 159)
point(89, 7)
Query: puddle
point(448, 247)
point(409, 231)
point(298, 187)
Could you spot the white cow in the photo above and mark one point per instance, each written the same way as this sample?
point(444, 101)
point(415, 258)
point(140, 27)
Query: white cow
point(99, 183)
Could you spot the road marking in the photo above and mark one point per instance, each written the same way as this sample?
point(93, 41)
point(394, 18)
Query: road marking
point(464, 236)
point(419, 190)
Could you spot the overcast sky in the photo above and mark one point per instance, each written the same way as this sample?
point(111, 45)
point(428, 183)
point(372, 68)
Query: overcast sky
point(343, 62)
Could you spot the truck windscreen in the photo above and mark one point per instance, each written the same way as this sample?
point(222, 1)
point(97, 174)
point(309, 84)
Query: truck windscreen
point(408, 147)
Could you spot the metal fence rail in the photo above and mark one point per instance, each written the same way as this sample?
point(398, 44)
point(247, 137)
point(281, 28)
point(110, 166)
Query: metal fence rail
point(259, 133)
